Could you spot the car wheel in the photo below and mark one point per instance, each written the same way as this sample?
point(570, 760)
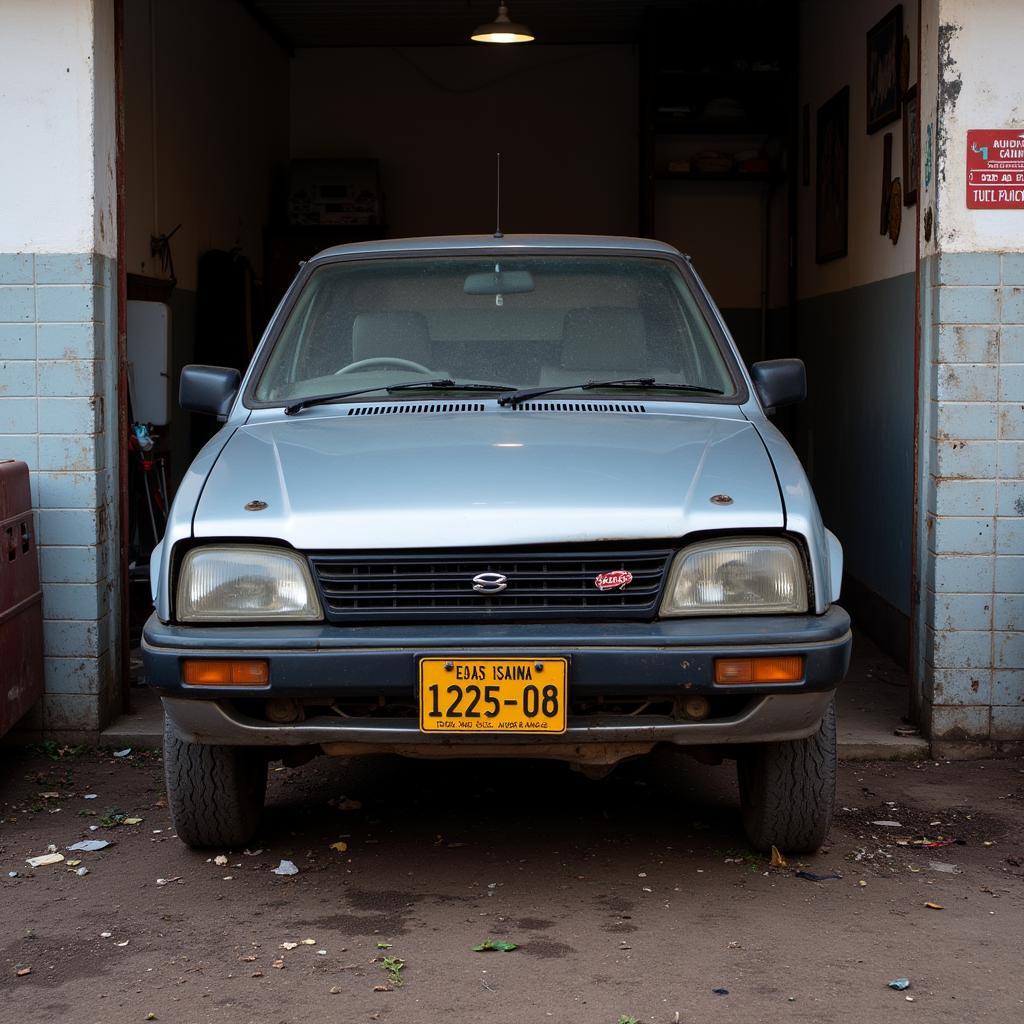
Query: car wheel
point(788, 790)
point(215, 793)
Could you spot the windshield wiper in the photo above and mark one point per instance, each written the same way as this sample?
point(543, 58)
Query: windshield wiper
point(629, 382)
point(441, 384)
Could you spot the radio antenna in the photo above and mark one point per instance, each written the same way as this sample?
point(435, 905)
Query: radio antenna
point(497, 214)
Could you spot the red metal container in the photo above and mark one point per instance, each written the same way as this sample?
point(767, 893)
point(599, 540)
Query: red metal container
point(21, 600)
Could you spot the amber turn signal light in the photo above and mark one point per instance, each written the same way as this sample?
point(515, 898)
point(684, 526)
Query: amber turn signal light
point(225, 672)
point(740, 671)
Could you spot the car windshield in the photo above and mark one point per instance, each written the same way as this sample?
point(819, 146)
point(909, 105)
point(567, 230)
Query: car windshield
point(518, 321)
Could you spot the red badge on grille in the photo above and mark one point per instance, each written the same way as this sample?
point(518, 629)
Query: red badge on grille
point(613, 580)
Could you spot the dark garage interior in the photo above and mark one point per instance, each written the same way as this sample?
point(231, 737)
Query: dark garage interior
point(259, 132)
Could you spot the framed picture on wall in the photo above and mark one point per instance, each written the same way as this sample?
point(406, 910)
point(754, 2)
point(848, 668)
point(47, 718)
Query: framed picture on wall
point(884, 50)
point(832, 178)
point(911, 147)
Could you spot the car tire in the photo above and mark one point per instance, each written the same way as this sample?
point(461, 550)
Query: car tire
point(215, 793)
point(788, 790)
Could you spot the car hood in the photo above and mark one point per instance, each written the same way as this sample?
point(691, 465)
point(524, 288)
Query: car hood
point(350, 480)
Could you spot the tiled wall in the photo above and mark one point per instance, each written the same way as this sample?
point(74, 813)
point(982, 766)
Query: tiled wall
point(971, 541)
point(57, 413)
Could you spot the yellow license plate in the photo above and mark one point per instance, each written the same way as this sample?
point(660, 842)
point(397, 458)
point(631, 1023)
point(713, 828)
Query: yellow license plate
point(496, 695)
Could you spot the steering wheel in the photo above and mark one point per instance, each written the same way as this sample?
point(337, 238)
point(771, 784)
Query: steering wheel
point(363, 364)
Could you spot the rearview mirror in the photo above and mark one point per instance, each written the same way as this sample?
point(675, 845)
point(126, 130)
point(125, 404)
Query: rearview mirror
point(500, 282)
point(208, 389)
point(779, 382)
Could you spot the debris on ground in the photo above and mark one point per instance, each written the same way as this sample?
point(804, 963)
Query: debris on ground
point(720, 991)
point(44, 860)
point(813, 876)
point(112, 817)
point(81, 872)
point(346, 803)
point(90, 845)
point(393, 966)
point(945, 868)
point(220, 860)
point(341, 846)
point(888, 824)
point(495, 946)
point(778, 861)
point(289, 945)
point(167, 881)
point(934, 906)
point(123, 753)
point(21, 972)
point(899, 984)
point(286, 867)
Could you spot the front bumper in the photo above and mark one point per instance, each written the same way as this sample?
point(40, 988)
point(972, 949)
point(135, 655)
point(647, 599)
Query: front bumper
point(323, 663)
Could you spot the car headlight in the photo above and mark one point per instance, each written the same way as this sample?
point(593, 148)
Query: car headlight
point(735, 576)
point(238, 583)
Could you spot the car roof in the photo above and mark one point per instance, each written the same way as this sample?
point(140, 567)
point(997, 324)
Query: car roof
point(469, 243)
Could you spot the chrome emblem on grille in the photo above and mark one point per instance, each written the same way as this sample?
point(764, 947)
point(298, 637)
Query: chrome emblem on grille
point(489, 582)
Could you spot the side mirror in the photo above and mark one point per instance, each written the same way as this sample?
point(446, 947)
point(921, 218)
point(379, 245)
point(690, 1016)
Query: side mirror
point(780, 382)
point(208, 389)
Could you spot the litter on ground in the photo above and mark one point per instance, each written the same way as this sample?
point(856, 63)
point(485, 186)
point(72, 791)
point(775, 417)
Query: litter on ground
point(44, 860)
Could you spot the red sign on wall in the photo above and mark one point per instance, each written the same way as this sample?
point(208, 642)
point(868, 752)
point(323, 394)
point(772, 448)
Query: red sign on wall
point(995, 169)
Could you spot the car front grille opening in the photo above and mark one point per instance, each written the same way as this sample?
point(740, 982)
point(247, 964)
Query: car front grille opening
point(491, 586)
point(415, 408)
point(360, 709)
point(591, 407)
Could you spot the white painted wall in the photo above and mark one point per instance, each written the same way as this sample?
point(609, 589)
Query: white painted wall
point(210, 86)
point(833, 54)
point(104, 130)
point(928, 88)
point(983, 73)
point(564, 118)
point(56, 189)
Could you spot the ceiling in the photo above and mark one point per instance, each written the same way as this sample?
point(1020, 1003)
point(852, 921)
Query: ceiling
point(312, 23)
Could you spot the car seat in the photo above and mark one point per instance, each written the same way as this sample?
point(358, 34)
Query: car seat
point(600, 343)
point(398, 334)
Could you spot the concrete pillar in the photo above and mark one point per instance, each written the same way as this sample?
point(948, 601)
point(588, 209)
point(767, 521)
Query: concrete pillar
point(970, 533)
point(58, 334)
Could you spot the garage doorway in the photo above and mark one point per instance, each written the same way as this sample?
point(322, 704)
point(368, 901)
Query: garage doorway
point(259, 132)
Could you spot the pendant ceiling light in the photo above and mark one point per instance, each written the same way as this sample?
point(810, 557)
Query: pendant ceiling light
point(502, 30)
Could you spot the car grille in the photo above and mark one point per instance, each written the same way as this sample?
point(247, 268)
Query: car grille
point(540, 584)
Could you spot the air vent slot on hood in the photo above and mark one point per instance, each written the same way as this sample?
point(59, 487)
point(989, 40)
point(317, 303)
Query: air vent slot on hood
point(407, 409)
point(580, 407)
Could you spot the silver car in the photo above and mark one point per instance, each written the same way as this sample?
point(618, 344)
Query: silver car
point(497, 497)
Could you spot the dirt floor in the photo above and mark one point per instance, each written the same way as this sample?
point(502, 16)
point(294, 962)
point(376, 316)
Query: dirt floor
point(633, 897)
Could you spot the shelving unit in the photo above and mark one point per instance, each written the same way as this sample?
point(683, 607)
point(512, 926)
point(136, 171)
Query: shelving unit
point(703, 89)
